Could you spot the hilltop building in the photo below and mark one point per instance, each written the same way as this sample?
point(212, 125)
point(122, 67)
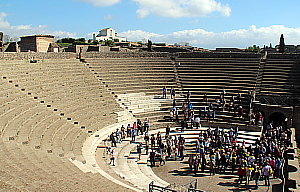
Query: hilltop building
point(38, 43)
point(108, 34)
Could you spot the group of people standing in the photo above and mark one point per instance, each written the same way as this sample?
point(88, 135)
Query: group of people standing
point(219, 152)
point(163, 149)
point(130, 131)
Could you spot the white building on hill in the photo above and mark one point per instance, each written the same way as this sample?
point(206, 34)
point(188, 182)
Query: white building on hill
point(108, 34)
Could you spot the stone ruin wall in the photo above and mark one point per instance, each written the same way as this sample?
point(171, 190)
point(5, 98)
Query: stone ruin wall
point(35, 56)
point(71, 55)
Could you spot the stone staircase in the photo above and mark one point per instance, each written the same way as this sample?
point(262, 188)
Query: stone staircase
point(210, 76)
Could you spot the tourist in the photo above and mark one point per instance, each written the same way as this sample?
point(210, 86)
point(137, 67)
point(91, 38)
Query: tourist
point(191, 161)
point(152, 140)
point(134, 128)
point(113, 140)
point(128, 130)
point(162, 158)
point(139, 127)
point(164, 90)
point(212, 167)
point(107, 146)
point(146, 124)
point(139, 150)
point(171, 115)
point(168, 129)
point(112, 157)
point(196, 164)
point(119, 136)
point(152, 158)
point(256, 176)
point(266, 172)
point(188, 96)
point(173, 93)
point(183, 124)
point(241, 173)
point(133, 134)
point(248, 174)
point(123, 132)
point(197, 122)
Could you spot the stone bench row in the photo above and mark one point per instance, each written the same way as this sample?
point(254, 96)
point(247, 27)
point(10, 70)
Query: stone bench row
point(43, 171)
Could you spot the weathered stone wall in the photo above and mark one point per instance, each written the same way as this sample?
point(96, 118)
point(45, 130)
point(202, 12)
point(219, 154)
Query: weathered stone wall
point(37, 56)
point(270, 109)
point(283, 56)
point(70, 55)
point(292, 113)
point(135, 53)
point(28, 44)
point(123, 54)
point(42, 43)
point(296, 123)
point(218, 55)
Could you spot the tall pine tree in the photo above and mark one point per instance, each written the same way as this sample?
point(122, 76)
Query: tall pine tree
point(281, 44)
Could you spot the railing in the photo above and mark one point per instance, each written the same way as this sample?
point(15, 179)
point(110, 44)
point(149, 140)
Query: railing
point(190, 184)
point(189, 187)
point(195, 190)
point(153, 188)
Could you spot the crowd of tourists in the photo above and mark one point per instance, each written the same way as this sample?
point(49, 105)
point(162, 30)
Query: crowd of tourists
point(217, 150)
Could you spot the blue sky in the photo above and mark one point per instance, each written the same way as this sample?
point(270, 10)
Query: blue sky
point(201, 23)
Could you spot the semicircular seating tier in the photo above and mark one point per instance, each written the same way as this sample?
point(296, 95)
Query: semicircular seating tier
point(50, 109)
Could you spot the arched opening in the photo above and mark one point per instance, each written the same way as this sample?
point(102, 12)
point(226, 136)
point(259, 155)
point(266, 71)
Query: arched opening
point(278, 119)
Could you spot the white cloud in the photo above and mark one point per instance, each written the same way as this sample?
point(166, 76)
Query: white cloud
point(109, 17)
point(180, 8)
point(139, 35)
point(101, 3)
point(241, 38)
point(20, 30)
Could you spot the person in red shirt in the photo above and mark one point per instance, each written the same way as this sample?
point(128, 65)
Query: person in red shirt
point(241, 173)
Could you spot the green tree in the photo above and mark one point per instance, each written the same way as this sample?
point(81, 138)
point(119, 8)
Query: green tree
point(116, 40)
point(109, 43)
point(95, 42)
point(79, 41)
point(67, 40)
point(281, 44)
point(254, 48)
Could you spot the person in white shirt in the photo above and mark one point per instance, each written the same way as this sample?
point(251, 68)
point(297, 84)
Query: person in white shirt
point(266, 171)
